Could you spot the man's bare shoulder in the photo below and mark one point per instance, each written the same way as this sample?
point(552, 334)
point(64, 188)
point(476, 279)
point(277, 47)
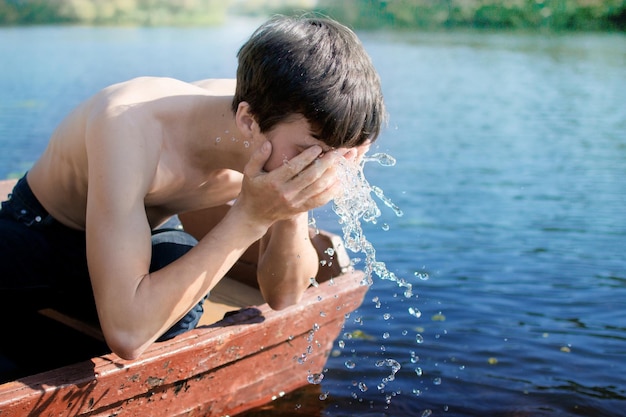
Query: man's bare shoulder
point(147, 93)
point(218, 86)
point(143, 89)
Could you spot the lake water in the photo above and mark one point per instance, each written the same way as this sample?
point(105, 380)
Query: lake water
point(511, 174)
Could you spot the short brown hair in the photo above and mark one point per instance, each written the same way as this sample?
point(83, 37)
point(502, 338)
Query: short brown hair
point(316, 67)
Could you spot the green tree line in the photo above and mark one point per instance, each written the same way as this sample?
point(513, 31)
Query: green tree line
point(113, 12)
point(501, 14)
point(430, 14)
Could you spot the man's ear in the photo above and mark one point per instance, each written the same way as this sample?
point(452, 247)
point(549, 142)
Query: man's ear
point(245, 120)
point(351, 154)
point(362, 149)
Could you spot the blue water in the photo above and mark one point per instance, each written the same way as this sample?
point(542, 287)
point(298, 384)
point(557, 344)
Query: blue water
point(511, 174)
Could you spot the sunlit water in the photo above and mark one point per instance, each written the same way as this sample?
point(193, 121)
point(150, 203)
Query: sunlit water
point(511, 159)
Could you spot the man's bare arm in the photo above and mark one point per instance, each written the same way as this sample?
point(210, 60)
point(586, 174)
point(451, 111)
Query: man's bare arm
point(134, 306)
point(287, 262)
point(288, 259)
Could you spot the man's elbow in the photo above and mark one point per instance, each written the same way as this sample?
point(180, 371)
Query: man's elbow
point(124, 346)
point(283, 301)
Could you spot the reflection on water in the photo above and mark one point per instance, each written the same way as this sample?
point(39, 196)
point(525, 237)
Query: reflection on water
point(511, 159)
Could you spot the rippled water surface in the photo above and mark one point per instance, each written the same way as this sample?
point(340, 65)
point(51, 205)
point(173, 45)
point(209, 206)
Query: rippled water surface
point(511, 176)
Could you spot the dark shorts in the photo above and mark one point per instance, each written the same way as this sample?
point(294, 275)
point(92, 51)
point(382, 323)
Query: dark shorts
point(43, 264)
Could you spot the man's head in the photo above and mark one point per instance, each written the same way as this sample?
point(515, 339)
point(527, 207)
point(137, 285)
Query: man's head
point(316, 68)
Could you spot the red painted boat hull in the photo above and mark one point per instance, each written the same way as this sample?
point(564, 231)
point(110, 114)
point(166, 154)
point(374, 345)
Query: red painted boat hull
point(239, 363)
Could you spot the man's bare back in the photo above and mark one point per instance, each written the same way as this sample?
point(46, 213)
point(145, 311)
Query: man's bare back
point(174, 120)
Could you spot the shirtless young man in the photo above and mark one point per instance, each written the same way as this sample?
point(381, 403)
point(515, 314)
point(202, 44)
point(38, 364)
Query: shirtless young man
point(83, 220)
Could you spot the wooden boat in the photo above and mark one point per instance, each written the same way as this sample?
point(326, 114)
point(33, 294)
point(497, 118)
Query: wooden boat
point(229, 364)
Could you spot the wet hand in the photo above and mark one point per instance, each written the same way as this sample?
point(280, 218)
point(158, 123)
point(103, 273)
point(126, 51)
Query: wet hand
point(305, 182)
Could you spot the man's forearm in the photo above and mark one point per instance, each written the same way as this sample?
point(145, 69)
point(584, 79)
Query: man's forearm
point(287, 262)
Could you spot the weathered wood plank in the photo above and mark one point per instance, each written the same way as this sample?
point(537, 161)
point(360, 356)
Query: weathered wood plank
point(262, 347)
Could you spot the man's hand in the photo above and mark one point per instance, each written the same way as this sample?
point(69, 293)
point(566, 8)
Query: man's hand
point(303, 183)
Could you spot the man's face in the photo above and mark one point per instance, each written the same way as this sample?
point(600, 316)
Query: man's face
point(290, 138)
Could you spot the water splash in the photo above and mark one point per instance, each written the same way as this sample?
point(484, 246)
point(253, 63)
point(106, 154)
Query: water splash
point(395, 367)
point(356, 204)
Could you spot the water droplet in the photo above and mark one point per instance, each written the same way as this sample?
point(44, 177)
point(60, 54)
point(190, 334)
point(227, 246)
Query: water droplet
point(386, 335)
point(427, 413)
point(418, 371)
point(385, 227)
point(314, 282)
point(382, 158)
point(419, 338)
point(246, 144)
point(415, 312)
point(350, 364)
point(437, 381)
point(376, 302)
point(315, 378)
point(218, 139)
point(393, 364)
point(421, 275)
point(324, 395)
point(362, 386)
